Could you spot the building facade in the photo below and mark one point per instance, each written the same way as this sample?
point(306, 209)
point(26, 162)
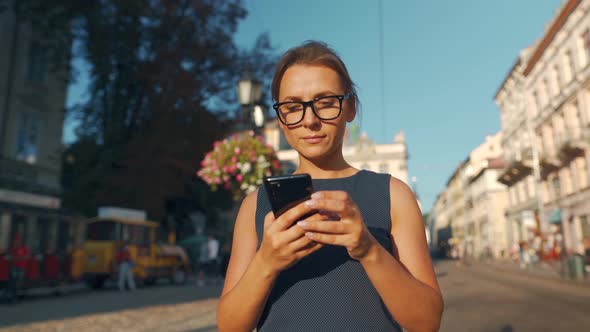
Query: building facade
point(548, 94)
point(469, 212)
point(32, 99)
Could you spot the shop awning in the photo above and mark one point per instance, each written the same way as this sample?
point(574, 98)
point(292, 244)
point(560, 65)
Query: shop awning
point(555, 216)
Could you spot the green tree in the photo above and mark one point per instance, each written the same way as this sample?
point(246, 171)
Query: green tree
point(162, 87)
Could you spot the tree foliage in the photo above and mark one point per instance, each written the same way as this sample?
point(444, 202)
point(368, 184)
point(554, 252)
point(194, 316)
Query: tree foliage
point(162, 79)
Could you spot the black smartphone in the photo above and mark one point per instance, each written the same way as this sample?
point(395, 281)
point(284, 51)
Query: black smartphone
point(284, 192)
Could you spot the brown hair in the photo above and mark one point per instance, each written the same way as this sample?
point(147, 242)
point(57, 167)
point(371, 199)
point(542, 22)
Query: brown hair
point(313, 52)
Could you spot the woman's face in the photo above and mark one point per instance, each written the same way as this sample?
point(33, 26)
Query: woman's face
point(314, 138)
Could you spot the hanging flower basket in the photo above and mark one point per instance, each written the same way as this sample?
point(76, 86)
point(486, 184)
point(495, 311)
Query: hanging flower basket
point(239, 163)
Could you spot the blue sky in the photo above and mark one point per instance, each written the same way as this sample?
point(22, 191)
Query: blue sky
point(442, 64)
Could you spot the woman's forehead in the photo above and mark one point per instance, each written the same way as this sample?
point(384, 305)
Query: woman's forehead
point(302, 79)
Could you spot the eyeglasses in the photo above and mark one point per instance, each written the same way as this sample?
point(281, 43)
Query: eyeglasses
point(325, 108)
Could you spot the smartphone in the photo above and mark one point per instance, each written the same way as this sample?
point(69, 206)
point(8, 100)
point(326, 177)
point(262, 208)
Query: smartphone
point(284, 192)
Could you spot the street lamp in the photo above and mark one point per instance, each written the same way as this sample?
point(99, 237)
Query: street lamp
point(249, 95)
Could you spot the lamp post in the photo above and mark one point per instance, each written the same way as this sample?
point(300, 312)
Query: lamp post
point(249, 94)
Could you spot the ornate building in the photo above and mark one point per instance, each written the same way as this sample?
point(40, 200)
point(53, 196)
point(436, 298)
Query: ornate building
point(32, 99)
point(545, 110)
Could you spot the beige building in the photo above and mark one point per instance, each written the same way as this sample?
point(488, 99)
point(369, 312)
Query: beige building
point(520, 155)
point(454, 204)
point(439, 225)
point(32, 102)
point(471, 207)
point(551, 84)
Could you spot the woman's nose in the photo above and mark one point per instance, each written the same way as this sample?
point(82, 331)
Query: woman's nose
point(309, 117)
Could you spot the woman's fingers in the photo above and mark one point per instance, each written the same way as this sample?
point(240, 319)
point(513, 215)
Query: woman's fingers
point(300, 243)
point(292, 215)
point(268, 220)
point(329, 227)
point(331, 239)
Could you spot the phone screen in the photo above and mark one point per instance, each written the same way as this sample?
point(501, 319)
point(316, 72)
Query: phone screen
point(284, 192)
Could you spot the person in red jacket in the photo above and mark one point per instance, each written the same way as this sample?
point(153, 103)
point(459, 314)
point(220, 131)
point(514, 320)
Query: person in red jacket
point(124, 266)
point(19, 254)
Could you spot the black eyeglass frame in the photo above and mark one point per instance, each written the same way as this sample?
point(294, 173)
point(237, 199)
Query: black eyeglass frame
point(304, 104)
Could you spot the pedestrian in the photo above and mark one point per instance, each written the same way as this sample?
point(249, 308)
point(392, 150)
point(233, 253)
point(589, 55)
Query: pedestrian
point(209, 260)
point(586, 244)
point(125, 266)
point(20, 255)
point(366, 269)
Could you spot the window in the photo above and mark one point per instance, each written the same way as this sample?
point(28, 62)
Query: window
point(537, 99)
point(585, 224)
point(586, 45)
point(569, 67)
point(37, 70)
point(28, 132)
point(547, 93)
point(556, 186)
point(366, 166)
point(556, 80)
point(102, 231)
point(384, 168)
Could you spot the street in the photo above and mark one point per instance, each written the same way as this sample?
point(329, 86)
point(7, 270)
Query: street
point(477, 298)
point(481, 298)
point(162, 307)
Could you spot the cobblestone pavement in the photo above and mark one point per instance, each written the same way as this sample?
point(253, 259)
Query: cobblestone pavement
point(158, 308)
point(478, 297)
point(485, 298)
point(194, 316)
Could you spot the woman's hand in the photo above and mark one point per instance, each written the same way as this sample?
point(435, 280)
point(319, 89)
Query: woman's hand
point(348, 231)
point(283, 242)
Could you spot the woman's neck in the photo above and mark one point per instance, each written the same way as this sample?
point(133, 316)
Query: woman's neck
point(326, 168)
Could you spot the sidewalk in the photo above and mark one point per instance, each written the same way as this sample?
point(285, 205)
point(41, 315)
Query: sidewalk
point(546, 270)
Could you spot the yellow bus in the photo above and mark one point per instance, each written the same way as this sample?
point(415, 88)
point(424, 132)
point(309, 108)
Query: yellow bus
point(107, 235)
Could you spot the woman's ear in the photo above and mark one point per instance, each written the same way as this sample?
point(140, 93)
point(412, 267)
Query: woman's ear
point(350, 113)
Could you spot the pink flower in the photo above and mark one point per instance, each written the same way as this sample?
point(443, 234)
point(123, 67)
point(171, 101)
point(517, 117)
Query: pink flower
point(239, 177)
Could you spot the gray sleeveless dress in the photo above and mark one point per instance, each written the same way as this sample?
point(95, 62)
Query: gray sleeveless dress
point(329, 291)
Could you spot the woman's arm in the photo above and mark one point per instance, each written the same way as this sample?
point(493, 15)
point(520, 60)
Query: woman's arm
point(251, 274)
point(240, 307)
point(407, 286)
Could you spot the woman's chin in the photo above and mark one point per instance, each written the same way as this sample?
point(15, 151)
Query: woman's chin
point(315, 153)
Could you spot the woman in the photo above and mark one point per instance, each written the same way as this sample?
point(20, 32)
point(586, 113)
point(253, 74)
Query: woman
point(362, 263)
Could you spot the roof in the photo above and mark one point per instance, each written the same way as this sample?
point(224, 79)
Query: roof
point(551, 33)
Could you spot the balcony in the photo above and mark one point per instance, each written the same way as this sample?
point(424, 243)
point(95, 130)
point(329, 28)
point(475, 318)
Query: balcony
point(549, 162)
point(572, 143)
point(520, 165)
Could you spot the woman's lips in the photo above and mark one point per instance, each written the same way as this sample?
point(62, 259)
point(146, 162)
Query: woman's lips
point(313, 139)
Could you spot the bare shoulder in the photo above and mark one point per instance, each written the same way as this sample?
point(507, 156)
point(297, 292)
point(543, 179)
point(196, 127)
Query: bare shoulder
point(403, 201)
point(249, 202)
point(245, 241)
